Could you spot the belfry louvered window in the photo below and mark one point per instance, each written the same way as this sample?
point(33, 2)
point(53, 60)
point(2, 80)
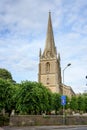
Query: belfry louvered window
point(47, 67)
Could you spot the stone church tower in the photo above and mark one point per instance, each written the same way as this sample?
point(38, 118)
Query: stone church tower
point(49, 64)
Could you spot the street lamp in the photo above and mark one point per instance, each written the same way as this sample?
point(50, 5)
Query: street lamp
point(64, 97)
point(65, 69)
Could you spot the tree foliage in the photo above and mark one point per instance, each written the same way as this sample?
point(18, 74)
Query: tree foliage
point(33, 98)
point(81, 103)
point(85, 102)
point(56, 102)
point(67, 106)
point(74, 103)
point(5, 74)
point(6, 92)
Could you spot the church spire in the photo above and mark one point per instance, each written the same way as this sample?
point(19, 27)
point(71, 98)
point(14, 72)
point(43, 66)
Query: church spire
point(50, 44)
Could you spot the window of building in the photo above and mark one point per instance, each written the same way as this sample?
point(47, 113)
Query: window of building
point(47, 67)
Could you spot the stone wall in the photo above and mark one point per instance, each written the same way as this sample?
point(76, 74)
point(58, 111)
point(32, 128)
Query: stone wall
point(28, 120)
point(4, 120)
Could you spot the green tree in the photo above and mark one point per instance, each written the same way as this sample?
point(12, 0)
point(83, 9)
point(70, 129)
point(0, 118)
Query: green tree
point(85, 101)
point(67, 102)
point(74, 103)
point(81, 103)
point(33, 98)
point(5, 74)
point(6, 93)
point(56, 102)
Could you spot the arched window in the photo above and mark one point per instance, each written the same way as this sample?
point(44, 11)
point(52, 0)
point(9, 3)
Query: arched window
point(47, 67)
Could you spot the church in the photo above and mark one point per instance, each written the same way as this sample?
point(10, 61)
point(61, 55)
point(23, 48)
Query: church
point(49, 65)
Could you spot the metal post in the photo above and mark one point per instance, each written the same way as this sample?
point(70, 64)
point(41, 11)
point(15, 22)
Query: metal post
point(63, 93)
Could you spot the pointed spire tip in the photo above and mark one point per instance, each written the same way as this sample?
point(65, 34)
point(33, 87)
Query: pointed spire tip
point(49, 12)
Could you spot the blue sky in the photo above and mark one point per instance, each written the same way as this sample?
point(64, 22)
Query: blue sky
point(23, 26)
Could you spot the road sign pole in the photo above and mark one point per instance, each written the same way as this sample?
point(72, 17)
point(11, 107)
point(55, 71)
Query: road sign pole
point(63, 114)
point(63, 103)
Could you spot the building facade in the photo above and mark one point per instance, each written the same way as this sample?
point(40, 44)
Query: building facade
point(49, 64)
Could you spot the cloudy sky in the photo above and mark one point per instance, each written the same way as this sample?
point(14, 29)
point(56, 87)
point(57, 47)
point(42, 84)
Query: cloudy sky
point(23, 26)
